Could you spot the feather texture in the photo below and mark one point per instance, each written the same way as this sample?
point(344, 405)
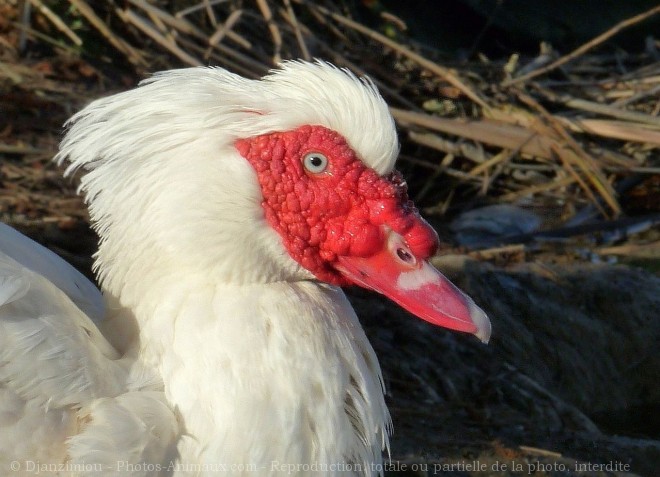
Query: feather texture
point(55, 365)
point(44, 262)
point(218, 351)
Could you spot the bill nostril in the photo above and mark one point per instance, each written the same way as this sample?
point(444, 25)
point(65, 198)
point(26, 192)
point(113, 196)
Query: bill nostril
point(399, 250)
point(405, 256)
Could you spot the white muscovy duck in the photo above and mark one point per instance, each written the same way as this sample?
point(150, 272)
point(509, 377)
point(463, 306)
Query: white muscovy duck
point(229, 211)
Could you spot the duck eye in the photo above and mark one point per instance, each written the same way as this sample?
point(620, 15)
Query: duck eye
point(315, 162)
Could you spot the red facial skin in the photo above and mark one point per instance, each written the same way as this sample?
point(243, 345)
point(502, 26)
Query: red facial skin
point(348, 225)
point(338, 212)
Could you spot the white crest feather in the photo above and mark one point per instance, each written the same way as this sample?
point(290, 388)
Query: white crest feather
point(246, 358)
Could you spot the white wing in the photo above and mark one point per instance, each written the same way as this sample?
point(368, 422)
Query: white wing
point(46, 263)
point(49, 349)
point(66, 395)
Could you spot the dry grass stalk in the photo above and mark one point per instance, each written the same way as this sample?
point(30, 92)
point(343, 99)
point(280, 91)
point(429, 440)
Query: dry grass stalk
point(653, 92)
point(569, 159)
point(622, 130)
point(639, 251)
point(487, 131)
point(182, 25)
point(120, 44)
point(490, 253)
point(578, 156)
point(534, 190)
point(495, 140)
point(274, 30)
point(602, 38)
point(434, 141)
point(504, 156)
point(435, 68)
point(26, 31)
point(605, 110)
point(210, 13)
point(147, 28)
point(23, 150)
point(294, 21)
point(57, 21)
point(222, 30)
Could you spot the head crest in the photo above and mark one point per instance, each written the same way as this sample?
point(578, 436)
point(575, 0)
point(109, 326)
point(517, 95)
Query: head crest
point(178, 107)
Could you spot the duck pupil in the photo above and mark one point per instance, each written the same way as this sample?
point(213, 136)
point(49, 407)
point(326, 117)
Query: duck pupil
point(316, 161)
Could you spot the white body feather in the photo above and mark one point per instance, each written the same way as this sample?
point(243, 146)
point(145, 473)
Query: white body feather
point(226, 355)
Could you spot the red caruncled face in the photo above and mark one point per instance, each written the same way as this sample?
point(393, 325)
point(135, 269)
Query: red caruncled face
point(346, 224)
point(325, 203)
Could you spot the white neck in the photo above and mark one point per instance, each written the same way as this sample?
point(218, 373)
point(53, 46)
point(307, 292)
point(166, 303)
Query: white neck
point(266, 373)
point(262, 362)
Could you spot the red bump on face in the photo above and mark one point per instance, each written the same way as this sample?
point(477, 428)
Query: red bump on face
point(338, 212)
point(422, 239)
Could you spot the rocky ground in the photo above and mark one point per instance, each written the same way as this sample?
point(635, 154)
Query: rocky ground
point(567, 384)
